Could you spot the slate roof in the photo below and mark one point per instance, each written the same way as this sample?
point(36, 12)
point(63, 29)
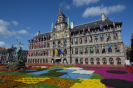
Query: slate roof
point(94, 23)
point(86, 25)
point(44, 34)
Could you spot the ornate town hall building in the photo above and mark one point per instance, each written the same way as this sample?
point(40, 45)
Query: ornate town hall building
point(97, 42)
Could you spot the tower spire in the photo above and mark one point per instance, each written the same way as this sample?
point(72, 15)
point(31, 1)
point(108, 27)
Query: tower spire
point(59, 9)
point(52, 27)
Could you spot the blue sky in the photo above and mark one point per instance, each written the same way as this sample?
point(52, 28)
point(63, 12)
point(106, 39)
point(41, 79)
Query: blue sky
point(21, 19)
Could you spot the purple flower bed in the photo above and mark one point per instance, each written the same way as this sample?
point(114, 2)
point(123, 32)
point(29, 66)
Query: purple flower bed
point(106, 75)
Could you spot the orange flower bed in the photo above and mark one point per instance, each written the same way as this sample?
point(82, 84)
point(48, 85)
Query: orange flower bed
point(60, 82)
point(1, 66)
point(11, 84)
point(13, 77)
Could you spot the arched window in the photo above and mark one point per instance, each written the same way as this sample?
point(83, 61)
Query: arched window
point(76, 60)
point(111, 60)
point(86, 60)
point(64, 61)
point(118, 60)
point(81, 61)
point(33, 61)
point(92, 61)
point(98, 61)
point(46, 60)
point(40, 60)
point(104, 61)
point(52, 61)
point(43, 60)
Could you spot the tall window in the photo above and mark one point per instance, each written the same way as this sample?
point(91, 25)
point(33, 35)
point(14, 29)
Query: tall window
point(72, 41)
point(110, 48)
point(117, 48)
point(91, 50)
point(76, 50)
point(103, 48)
point(115, 35)
point(76, 41)
point(96, 38)
point(80, 40)
point(86, 50)
point(102, 37)
point(97, 49)
point(65, 42)
point(90, 38)
point(85, 39)
point(81, 50)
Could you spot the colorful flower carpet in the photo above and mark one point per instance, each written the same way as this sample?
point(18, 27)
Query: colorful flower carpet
point(112, 78)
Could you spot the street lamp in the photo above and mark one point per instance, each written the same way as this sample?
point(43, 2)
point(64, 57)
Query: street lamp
point(70, 45)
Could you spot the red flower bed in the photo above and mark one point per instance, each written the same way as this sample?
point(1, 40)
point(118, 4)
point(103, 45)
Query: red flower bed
point(129, 68)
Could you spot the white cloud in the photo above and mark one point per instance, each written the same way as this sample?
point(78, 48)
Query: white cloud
point(14, 32)
point(18, 37)
point(67, 6)
point(64, 5)
point(3, 29)
point(27, 27)
point(78, 3)
point(15, 23)
point(95, 11)
point(2, 44)
point(22, 32)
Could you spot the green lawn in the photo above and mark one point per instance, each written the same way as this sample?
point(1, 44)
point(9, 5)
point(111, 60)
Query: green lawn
point(96, 76)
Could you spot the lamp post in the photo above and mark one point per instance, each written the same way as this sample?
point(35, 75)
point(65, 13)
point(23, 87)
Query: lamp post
point(70, 45)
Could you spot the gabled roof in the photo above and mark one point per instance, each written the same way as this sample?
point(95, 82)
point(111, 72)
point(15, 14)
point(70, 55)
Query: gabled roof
point(94, 24)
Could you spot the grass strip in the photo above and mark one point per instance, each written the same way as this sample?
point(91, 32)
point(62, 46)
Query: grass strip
point(116, 67)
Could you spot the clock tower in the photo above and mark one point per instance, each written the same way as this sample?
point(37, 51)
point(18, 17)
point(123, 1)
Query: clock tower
point(61, 23)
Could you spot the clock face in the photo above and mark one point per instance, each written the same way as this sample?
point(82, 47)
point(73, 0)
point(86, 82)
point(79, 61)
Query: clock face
point(58, 27)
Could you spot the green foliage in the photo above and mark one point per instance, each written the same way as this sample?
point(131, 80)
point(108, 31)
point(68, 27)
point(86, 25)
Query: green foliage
point(3, 80)
point(53, 73)
point(116, 67)
point(96, 76)
point(42, 85)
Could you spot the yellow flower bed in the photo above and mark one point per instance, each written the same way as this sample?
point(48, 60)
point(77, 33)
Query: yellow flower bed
point(89, 83)
point(50, 68)
point(31, 80)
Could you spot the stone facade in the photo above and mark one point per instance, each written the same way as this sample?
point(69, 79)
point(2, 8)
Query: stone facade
point(87, 47)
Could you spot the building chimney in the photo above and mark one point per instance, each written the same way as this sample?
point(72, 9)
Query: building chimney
point(103, 16)
point(72, 25)
point(38, 33)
